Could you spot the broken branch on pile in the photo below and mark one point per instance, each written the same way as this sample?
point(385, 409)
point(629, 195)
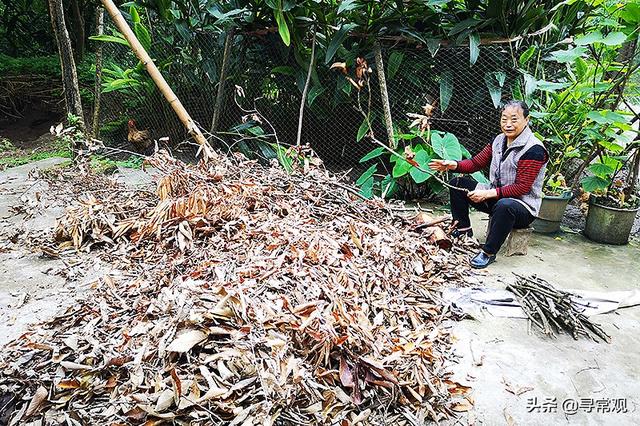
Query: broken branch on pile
point(554, 310)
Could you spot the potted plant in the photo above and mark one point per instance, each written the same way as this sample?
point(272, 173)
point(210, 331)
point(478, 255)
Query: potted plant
point(556, 196)
point(614, 202)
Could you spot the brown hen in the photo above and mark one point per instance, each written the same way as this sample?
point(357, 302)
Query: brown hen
point(140, 139)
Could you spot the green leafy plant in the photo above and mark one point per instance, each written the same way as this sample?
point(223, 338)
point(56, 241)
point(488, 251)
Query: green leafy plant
point(401, 168)
point(578, 93)
point(134, 81)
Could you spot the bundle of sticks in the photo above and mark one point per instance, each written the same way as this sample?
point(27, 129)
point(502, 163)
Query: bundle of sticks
point(554, 310)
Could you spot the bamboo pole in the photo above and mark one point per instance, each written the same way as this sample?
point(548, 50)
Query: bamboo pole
point(306, 87)
point(158, 79)
point(386, 108)
point(228, 42)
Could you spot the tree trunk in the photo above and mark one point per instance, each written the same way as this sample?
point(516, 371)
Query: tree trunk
point(158, 79)
point(386, 107)
point(97, 89)
point(67, 64)
point(78, 26)
point(228, 42)
point(306, 87)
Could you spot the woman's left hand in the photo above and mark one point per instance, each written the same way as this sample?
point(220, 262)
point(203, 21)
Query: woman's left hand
point(480, 195)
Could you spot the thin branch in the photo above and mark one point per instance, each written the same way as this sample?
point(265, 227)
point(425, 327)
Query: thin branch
point(306, 86)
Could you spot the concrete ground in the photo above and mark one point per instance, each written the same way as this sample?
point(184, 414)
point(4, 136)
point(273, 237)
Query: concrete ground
point(33, 286)
point(500, 360)
point(511, 372)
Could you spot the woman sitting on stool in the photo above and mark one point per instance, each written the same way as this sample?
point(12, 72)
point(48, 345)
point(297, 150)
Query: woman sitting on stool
point(517, 161)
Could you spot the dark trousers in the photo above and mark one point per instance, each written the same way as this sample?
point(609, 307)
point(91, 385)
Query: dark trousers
point(505, 213)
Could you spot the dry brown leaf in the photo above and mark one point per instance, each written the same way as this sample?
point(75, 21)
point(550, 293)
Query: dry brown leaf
point(186, 340)
point(36, 402)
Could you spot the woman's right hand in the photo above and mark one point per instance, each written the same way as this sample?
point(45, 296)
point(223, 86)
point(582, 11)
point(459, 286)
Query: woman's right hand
point(443, 165)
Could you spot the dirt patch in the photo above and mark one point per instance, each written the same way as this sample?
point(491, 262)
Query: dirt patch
point(27, 132)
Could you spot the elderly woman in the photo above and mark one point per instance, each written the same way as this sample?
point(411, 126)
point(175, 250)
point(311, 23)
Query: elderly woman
point(517, 162)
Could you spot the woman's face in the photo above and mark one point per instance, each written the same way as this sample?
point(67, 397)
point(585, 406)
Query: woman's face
point(513, 122)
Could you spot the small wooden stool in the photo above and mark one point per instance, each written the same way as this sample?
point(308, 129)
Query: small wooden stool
point(517, 242)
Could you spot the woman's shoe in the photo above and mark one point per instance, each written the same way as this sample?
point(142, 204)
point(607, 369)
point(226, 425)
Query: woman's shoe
point(482, 260)
point(456, 233)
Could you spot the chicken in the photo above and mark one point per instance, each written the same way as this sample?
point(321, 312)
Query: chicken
point(141, 139)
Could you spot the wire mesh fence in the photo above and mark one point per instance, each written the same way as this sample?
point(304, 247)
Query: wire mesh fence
point(261, 101)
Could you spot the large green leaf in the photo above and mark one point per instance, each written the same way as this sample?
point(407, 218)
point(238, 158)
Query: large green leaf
point(495, 91)
point(570, 55)
point(110, 39)
point(581, 68)
point(607, 117)
point(614, 162)
point(474, 47)
point(283, 69)
point(283, 28)
point(367, 174)
point(479, 177)
point(135, 17)
point(467, 24)
point(530, 85)
point(373, 154)
point(119, 84)
point(601, 170)
point(631, 13)
point(395, 59)
point(348, 5)
point(614, 39)
point(422, 158)
point(447, 147)
point(142, 35)
point(283, 158)
point(314, 93)
point(362, 130)
point(366, 189)
point(401, 168)
point(446, 89)
point(465, 152)
point(388, 186)
point(594, 183)
point(433, 44)
point(550, 86)
point(336, 41)
point(526, 55)
point(586, 39)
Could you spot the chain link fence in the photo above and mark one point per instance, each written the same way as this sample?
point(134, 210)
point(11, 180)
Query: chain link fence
point(272, 80)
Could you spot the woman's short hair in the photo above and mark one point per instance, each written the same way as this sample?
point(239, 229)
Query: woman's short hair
point(521, 104)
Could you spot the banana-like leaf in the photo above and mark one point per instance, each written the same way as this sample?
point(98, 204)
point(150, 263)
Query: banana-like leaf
point(446, 89)
point(474, 47)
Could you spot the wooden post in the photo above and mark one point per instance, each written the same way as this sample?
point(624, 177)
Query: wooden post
point(228, 42)
point(306, 86)
point(158, 79)
point(386, 108)
point(97, 88)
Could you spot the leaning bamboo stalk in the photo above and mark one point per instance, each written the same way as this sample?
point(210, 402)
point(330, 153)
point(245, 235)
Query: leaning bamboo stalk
point(386, 107)
point(157, 78)
point(306, 87)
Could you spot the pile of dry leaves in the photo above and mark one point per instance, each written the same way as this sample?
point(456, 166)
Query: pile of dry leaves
point(248, 296)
